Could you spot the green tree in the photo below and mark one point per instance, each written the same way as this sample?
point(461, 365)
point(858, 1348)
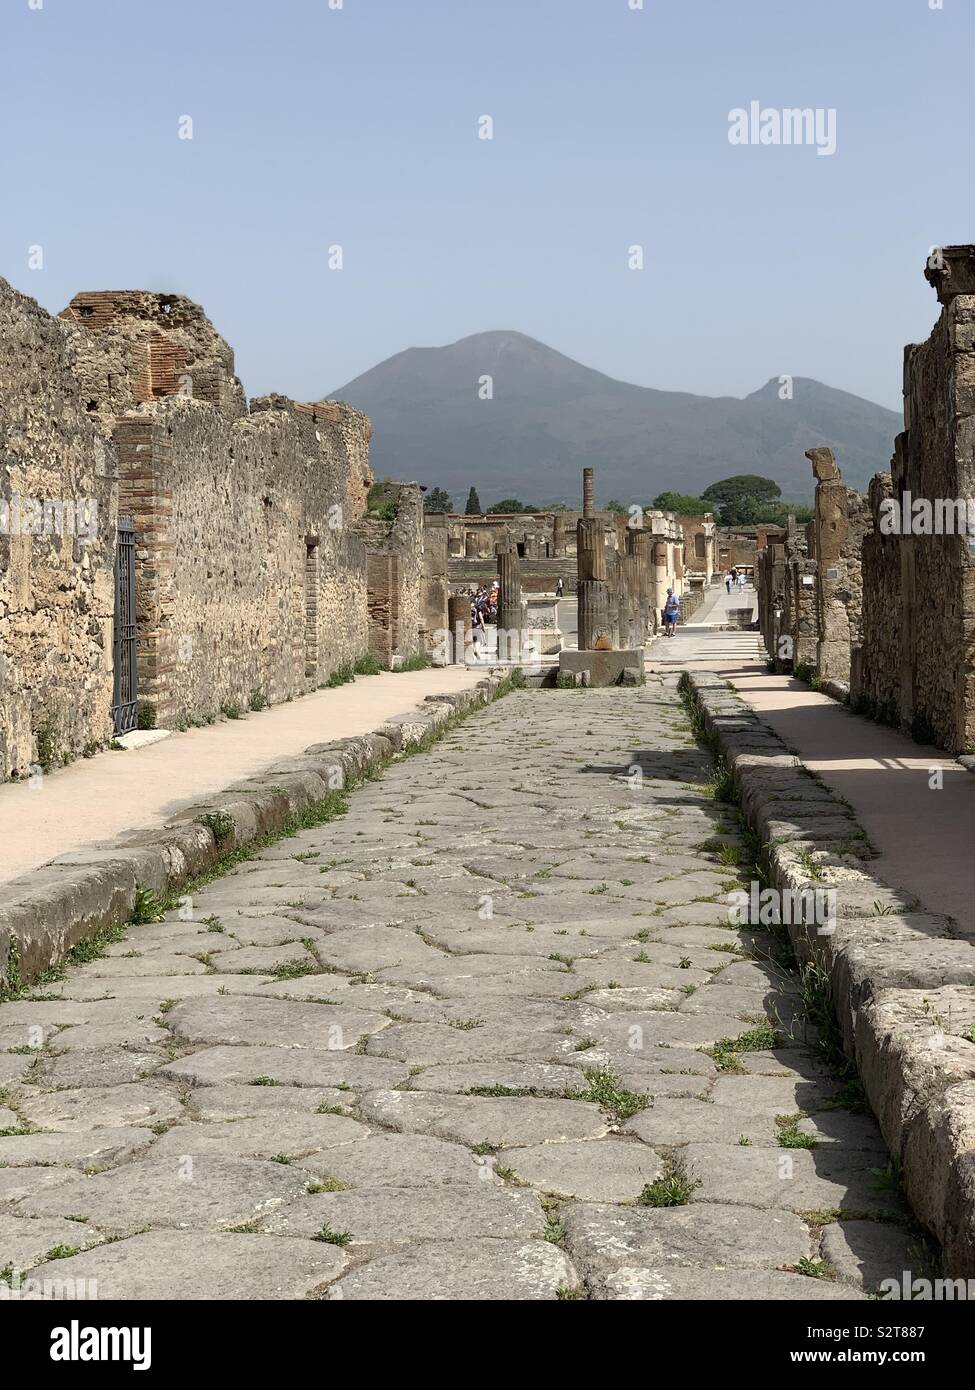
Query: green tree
point(473, 507)
point(436, 500)
point(511, 504)
point(738, 500)
point(681, 503)
point(617, 508)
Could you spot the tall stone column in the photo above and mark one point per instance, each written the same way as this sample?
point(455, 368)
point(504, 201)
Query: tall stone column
point(659, 581)
point(643, 548)
point(588, 493)
point(459, 622)
point(511, 606)
point(595, 621)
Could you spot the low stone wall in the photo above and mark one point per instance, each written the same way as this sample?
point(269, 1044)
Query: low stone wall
point(902, 980)
point(49, 911)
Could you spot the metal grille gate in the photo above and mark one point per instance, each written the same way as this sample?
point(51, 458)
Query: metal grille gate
point(124, 716)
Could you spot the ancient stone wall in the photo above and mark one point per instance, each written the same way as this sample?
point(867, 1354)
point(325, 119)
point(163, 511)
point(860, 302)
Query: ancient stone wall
point(916, 665)
point(251, 573)
point(251, 581)
point(875, 676)
point(58, 514)
point(395, 577)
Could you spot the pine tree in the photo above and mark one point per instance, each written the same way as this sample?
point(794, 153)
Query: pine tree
point(473, 507)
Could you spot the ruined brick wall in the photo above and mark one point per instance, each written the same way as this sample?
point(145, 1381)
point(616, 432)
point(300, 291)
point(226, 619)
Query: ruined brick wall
point(56, 562)
point(395, 550)
point(251, 577)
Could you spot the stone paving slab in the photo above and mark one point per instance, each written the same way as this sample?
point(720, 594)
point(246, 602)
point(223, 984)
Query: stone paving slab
point(471, 1271)
point(183, 1265)
point(479, 1051)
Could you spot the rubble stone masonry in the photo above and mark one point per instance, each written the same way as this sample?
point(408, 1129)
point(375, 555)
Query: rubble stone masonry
point(57, 531)
point(252, 543)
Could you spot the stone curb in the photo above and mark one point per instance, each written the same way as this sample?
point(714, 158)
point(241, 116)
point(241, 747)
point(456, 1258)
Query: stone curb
point(902, 980)
point(48, 911)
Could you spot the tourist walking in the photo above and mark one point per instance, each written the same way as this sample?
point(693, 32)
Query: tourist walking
point(727, 583)
point(671, 613)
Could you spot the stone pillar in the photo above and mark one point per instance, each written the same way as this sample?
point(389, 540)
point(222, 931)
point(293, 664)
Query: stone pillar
point(643, 548)
point(558, 535)
point(459, 621)
point(595, 617)
point(511, 606)
point(658, 586)
point(588, 493)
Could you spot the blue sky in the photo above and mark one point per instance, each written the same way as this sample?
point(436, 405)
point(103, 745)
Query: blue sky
point(357, 126)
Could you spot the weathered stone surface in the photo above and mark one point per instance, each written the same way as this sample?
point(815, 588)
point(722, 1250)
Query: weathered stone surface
point(720, 1285)
point(25, 1242)
point(210, 1193)
point(604, 1238)
point(96, 1147)
point(289, 1067)
point(400, 1160)
point(602, 1170)
point(182, 1265)
point(93, 1108)
point(476, 1271)
point(542, 1078)
point(391, 1216)
point(473, 1120)
point(792, 1180)
point(289, 1136)
point(864, 1253)
point(420, 1091)
point(272, 1022)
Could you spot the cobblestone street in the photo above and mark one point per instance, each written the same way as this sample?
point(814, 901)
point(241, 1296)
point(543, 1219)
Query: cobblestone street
point(488, 1035)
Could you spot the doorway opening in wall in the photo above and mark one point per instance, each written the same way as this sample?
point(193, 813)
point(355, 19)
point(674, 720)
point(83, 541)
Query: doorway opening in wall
point(124, 660)
point(311, 608)
point(521, 549)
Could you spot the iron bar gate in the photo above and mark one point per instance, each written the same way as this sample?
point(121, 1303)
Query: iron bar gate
point(124, 714)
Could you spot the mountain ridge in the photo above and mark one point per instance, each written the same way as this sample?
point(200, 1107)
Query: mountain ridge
point(550, 415)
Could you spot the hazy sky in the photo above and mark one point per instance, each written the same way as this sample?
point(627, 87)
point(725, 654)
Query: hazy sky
point(358, 126)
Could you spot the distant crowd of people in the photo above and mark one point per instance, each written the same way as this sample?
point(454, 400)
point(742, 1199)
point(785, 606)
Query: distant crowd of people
point(734, 579)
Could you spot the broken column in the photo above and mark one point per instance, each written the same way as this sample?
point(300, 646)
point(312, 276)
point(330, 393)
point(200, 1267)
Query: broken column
point(595, 619)
point(511, 605)
point(459, 623)
point(843, 519)
point(558, 535)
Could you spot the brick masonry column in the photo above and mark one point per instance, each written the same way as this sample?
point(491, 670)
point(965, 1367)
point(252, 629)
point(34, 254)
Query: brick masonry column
point(143, 450)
